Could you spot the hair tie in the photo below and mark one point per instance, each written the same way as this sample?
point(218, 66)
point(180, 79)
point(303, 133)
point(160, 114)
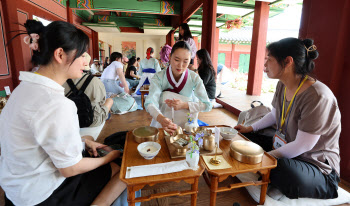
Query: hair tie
point(32, 41)
point(310, 49)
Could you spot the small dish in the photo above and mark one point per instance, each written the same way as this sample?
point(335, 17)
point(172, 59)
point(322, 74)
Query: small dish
point(180, 149)
point(228, 133)
point(148, 150)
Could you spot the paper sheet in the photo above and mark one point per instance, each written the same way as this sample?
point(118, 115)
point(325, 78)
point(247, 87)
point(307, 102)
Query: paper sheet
point(156, 169)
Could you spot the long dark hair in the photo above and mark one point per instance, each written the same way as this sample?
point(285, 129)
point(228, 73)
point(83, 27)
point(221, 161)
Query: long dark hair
point(206, 64)
point(187, 32)
point(131, 61)
point(297, 49)
point(58, 34)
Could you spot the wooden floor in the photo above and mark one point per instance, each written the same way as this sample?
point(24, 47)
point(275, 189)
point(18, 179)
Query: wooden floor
point(240, 100)
point(215, 117)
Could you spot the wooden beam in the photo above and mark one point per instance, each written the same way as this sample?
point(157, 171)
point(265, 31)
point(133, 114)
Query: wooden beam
point(69, 13)
point(131, 30)
point(190, 11)
point(170, 38)
point(153, 7)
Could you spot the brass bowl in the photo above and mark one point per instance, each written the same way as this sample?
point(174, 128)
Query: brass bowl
point(206, 131)
point(145, 134)
point(178, 149)
point(246, 152)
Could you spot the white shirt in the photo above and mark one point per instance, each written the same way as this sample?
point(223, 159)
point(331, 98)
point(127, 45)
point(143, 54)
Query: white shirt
point(94, 69)
point(39, 132)
point(111, 71)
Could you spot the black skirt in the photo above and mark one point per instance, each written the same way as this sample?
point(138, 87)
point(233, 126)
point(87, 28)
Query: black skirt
point(79, 190)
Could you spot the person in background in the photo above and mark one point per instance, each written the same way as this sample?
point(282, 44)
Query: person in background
point(185, 35)
point(138, 63)
point(206, 72)
point(41, 149)
point(165, 56)
point(106, 63)
point(125, 61)
point(95, 67)
point(97, 94)
point(306, 143)
point(148, 67)
point(113, 77)
point(130, 73)
point(175, 87)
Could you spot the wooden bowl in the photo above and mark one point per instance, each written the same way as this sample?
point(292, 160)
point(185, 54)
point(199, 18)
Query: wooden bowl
point(145, 134)
point(178, 149)
point(246, 152)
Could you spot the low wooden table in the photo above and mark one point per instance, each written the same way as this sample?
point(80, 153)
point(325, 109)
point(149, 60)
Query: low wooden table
point(213, 177)
point(132, 157)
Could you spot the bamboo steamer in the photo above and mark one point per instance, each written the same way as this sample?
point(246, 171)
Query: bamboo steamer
point(246, 152)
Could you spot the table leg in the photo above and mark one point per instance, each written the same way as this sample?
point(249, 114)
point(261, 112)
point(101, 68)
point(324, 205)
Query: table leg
point(143, 100)
point(214, 182)
point(194, 187)
point(131, 196)
point(265, 179)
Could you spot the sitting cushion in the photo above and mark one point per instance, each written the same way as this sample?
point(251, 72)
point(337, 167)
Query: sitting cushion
point(254, 191)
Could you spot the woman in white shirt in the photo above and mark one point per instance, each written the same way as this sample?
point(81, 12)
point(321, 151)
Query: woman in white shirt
point(113, 76)
point(41, 159)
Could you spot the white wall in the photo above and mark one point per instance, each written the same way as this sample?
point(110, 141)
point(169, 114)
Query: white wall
point(142, 42)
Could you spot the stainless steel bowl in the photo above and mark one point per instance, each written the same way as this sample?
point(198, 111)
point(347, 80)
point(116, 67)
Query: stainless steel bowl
point(145, 134)
point(246, 152)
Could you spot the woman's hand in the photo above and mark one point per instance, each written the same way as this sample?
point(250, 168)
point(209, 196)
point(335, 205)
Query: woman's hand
point(167, 124)
point(243, 129)
point(177, 104)
point(92, 145)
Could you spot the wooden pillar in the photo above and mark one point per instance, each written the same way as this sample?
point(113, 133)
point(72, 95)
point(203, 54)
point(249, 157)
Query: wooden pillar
point(258, 47)
point(170, 38)
point(232, 56)
point(15, 52)
point(69, 13)
point(95, 48)
point(195, 38)
point(215, 55)
point(209, 28)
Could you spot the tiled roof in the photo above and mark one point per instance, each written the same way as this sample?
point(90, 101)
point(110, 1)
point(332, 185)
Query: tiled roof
point(244, 35)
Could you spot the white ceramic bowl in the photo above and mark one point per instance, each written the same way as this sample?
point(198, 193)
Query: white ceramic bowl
point(228, 132)
point(148, 150)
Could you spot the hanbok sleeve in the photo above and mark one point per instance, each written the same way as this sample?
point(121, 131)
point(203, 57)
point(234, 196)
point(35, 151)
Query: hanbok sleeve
point(157, 66)
point(152, 100)
point(204, 104)
point(141, 68)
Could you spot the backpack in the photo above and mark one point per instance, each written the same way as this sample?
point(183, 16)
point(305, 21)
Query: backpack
point(123, 103)
point(248, 117)
point(82, 101)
